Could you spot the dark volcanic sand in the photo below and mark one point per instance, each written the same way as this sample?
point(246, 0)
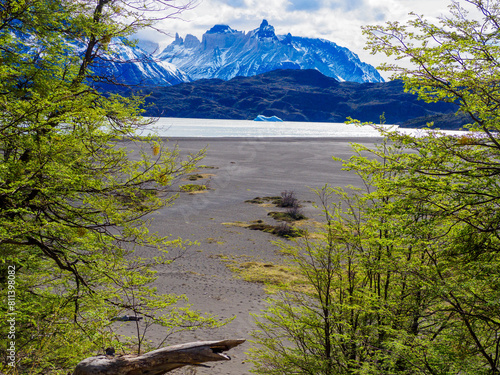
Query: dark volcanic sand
point(247, 168)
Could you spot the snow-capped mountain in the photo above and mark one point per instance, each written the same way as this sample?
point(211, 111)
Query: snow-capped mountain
point(226, 53)
point(133, 66)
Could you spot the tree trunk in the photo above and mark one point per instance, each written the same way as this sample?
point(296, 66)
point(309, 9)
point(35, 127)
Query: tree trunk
point(158, 361)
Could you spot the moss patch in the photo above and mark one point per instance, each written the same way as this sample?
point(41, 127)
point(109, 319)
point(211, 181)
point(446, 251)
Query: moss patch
point(194, 177)
point(207, 167)
point(285, 231)
point(273, 276)
point(262, 227)
point(286, 216)
point(193, 188)
point(198, 176)
point(265, 273)
point(262, 200)
point(240, 224)
point(278, 230)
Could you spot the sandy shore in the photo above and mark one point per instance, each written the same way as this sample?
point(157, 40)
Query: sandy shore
point(240, 169)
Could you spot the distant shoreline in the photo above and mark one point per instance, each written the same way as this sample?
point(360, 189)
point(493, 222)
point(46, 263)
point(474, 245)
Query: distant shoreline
point(275, 139)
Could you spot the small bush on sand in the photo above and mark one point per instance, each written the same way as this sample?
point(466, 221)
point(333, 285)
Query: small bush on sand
point(288, 199)
point(295, 212)
point(287, 231)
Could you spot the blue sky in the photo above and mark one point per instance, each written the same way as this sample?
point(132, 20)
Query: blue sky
point(337, 20)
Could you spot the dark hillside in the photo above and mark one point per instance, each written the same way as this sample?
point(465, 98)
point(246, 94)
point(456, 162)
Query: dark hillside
point(299, 95)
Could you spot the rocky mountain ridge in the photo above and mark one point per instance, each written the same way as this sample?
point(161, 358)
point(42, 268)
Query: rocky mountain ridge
point(226, 53)
point(124, 64)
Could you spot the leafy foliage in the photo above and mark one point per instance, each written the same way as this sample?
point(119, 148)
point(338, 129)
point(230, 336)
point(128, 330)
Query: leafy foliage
point(405, 279)
point(74, 197)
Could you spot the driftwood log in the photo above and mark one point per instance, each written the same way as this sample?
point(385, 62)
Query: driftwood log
point(158, 361)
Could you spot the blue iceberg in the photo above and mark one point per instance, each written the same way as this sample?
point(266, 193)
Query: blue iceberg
point(268, 119)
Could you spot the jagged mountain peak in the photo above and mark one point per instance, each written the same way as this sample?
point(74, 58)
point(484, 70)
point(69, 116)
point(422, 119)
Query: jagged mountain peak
point(191, 41)
point(226, 53)
point(135, 65)
point(221, 29)
point(178, 40)
point(287, 39)
point(265, 31)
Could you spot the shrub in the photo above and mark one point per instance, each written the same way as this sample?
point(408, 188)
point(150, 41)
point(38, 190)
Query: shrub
point(295, 212)
point(285, 230)
point(288, 199)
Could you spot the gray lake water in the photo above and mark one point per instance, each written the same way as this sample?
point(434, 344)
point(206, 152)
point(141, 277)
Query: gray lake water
point(182, 127)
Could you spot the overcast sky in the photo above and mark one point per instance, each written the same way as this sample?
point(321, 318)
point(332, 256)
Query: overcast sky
point(339, 21)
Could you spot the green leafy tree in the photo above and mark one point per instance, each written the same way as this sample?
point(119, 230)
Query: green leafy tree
point(425, 244)
point(454, 180)
point(358, 303)
point(317, 326)
point(74, 197)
